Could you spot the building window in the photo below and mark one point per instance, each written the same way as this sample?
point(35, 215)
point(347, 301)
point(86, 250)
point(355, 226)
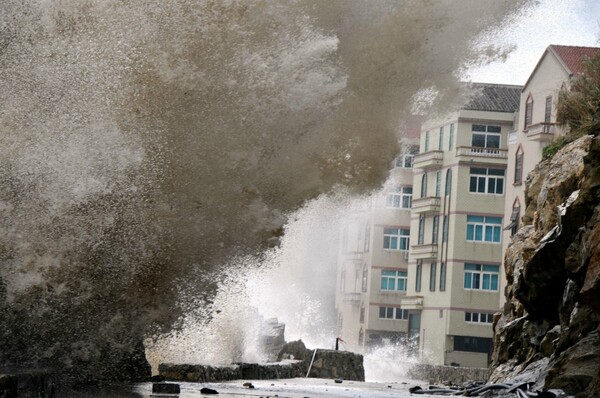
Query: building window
point(365, 278)
point(477, 317)
point(426, 146)
point(361, 336)
point(394, 280)
point(445, 229)
point(438, 184)
point(481, 277)
point(432, 276)
point(421, 231)
point(367, 244)
point(401, 199)
point(424, 185)
point(418, 276)
point(548, 110)
point(484, 229)
point(362, 313)
point(528, 112)
point(392, 313)
point(519, 166)
point(441, 139)
point(448, 182)
point(485, 136)
point(396, 239)
point(451, 138)
point(514, 219)
point(486, 180)
point(401, 313)
point(405, 161)
point(436, 227)
point(473, 344)
point(442, 277)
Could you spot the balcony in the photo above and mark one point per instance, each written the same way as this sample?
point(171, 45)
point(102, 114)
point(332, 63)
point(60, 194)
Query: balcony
point(424, 252)
point(471, 155)
point(352, 298)
point(353, 256)
point(428, 160)
point(430, 204)
point(541, 132)
point(412, 303)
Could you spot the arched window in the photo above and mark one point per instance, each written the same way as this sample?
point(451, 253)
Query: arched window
point(361, 336)
point(424, 185)
point(519, 165)
point(442, 277)
point(515, 215)
point(528, 111)
point(362, 313)
point(418, 275)
point(365, 278)
point(448, 182)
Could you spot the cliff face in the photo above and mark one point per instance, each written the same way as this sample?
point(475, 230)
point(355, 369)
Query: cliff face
point(549, 328)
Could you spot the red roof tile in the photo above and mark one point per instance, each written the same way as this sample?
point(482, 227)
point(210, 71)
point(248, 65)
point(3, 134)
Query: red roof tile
point(572, 56)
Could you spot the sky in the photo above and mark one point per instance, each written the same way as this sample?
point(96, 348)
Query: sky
point(565, 22)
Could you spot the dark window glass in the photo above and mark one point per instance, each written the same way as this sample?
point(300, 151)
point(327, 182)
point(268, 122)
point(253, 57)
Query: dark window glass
point(473, 344)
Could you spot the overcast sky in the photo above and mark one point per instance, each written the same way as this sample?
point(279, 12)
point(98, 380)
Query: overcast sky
point(566, 22)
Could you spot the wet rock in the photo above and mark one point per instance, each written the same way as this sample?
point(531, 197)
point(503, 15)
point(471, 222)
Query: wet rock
point(294, 350)
point(590, 292)
point(576, 367)
point(165, 388)
point(549, 341)
point(208, 391)
point(545, 333)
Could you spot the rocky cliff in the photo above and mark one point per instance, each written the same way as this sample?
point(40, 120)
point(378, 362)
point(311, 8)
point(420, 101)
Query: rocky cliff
point(548, 332)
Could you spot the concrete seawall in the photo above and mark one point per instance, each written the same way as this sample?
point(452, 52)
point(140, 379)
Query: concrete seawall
point(436, 374)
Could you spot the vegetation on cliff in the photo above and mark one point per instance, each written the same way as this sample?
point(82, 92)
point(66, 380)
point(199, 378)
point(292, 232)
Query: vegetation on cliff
point(578, 109)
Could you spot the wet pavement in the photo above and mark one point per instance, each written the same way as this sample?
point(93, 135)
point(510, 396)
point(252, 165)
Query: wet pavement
point(291, 388)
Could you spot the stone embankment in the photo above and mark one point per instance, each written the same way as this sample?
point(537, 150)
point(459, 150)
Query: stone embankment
point(298, 362)
point(548, 331)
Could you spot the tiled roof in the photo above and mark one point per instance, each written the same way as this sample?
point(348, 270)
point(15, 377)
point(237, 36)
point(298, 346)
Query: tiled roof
point(572, 56)
point(494, 98)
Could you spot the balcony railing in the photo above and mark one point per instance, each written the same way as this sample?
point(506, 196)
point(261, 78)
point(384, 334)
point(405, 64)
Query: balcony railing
point(541, 131)
point(352, 298)
point(412, 303)
point(430, 204)
point(424, 252)
point(428, 160)
point(497, 153)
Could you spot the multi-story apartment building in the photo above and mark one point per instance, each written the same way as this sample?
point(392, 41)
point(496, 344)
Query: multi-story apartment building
point(456, 229)
point(537, 123)
point(373, 266)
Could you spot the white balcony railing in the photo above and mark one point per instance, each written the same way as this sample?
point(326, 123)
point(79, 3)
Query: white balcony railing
point(426, 205)
point(353, 298)
point(423, 252)
point(497, 153)
point(413, 302)
point(541, 131)
point(428, 159)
